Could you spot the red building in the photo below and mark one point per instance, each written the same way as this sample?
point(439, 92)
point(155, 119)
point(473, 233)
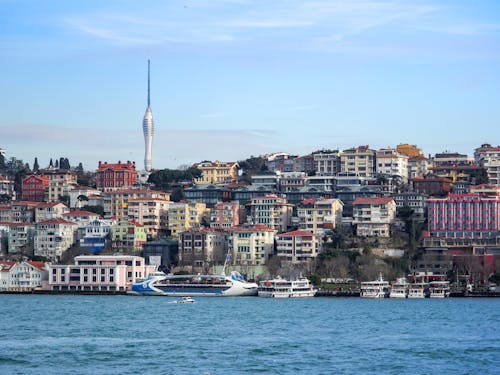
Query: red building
point(34, 188)
point(111, 177)
point(432, 185)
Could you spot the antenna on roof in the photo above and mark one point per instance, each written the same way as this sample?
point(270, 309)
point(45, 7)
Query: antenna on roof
point(148, 84)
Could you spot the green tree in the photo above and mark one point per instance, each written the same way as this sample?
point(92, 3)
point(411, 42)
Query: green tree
point(95, 209)
point(165, 179)
point(36, 167)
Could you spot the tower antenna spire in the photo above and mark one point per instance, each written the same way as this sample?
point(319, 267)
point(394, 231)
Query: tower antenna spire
point(148, 85)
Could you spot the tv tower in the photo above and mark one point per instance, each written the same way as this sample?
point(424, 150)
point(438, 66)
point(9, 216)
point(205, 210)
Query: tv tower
point(147, 127)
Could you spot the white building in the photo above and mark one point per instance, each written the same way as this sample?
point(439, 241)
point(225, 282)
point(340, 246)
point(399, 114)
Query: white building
point(82, 196)
point(53, 237)
point(21, 276)
point(489, 158)
point(392, 163)
point(50, 210)
point(96, 233)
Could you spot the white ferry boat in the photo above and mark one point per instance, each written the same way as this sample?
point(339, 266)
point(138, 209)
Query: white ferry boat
point(418, 290)
point(375, 289)
point(161, 284)
point(400, 288)
point(281, 288)
point(439, 289)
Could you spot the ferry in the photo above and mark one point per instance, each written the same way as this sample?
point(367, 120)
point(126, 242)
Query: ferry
point(375, 289)
point(161, 284)
point(282, 288)
point(439, 289)
point(399, 288)
point(418, 290)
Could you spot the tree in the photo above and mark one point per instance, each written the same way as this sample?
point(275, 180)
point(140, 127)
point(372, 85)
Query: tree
point(51, 164)
point(36, 167)
point(165, 179)
point(177, 194)
point(57, 164)
point(95, 209)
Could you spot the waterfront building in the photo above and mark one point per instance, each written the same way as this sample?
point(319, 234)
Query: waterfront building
point(319, 216)
point(183, 216)
point(226, 215)
point(250, 245)
point(216, 172)
point(392, 163)
point(34, 188)
point(200, 249)
point(150, 212)
point(148, 129)
point(373, 216)
point(21, 237)
point(327, 162)
point(50, 210)
point(298, 246)
point(128, 235)
point(53, 237)
point(21, 276)
point(466, 216)
point(271, 210)
point(359, 160)
point(110, 177)
point(98, 273)
point(488, 157)
point(116, 202)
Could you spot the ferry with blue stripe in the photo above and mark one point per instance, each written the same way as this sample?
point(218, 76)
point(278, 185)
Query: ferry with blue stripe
point(161, 284)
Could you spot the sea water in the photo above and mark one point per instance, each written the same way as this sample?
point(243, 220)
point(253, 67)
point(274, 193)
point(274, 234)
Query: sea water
point(70, 334)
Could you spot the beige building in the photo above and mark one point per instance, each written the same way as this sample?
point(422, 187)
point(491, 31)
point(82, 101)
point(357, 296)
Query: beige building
point(50, 210)
point(418, 166)
point(183, 216)
point(298, 246)
point(488, 157)
point(250, 245)
point(116, 202)
point(150, 212)
point(271, 210)
point(373, 216)
point(359, 160)
point(216, 172)
point(318, 216)
point(326, 162)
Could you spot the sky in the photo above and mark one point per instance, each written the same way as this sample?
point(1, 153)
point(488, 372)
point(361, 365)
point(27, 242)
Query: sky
point(232, 79)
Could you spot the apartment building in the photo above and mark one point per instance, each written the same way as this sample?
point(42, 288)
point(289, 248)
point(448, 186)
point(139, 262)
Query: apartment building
point(216, 172)
point(150, 212)
point(298, 246)
point(392, 163)
point(271, 210)
point(200, 249)
point(226, 215)
point(319, 216)
point(53, 237)
point(250, 245)
point(183, 216)
point(373, 216)
point(359, 160)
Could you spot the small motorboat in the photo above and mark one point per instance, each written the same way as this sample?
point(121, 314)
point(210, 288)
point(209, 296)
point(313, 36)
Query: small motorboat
point(186, 300)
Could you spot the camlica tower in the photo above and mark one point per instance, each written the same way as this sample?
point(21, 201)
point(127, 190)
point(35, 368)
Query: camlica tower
point(148, 128)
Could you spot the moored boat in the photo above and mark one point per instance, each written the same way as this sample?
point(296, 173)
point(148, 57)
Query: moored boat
point(379, 288)
point(282, 288)
point(439, 289)
point(399, 288)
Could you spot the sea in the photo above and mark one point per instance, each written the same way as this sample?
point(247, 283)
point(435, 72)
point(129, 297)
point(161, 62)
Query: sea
point(81, 334)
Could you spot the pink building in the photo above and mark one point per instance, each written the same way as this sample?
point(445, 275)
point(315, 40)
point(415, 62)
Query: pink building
point(98, 273)
point(226, 215)
point(464, 216)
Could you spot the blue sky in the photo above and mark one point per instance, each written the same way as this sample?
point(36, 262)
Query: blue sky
point(235, 78)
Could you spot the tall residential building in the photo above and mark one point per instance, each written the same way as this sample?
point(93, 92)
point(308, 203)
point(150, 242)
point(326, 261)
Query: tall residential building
point(326, 162)
point(393, 163)
point(373, 216)
point(359, 160)
point(271, 210)
point(488, 157)
point(317, 216)
point(148, 129)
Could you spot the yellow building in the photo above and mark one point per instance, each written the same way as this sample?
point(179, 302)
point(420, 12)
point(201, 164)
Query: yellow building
point(116, 202)
point(128, 235)
point(183, 216)
point(409, 150)
point(317, 216)
point(216, 172)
